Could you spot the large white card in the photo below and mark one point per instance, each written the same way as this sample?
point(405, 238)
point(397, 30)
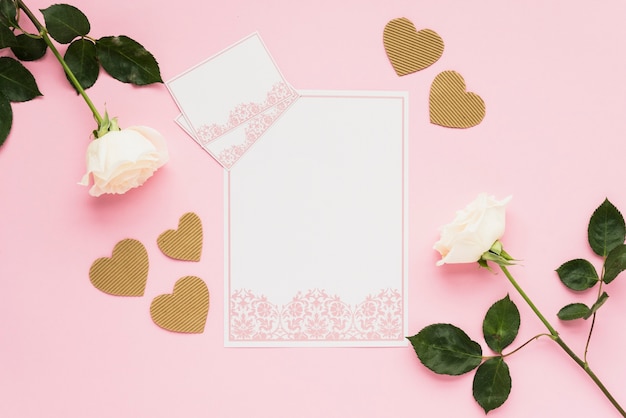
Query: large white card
point(316, 226)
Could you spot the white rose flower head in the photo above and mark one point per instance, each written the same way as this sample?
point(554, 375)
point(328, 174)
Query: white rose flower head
point(124, 159)
point(473, 232)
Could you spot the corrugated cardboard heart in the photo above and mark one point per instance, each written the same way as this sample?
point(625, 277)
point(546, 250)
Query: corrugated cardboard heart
point(184, 243)
point(185, 310)
point(124, 273)
point(408, 49)
point(451, 105)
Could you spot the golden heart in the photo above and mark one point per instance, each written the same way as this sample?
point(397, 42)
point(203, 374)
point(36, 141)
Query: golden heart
point(409, 50)
point(185, 310)
point(451, 105)
point(185, 243)
point(123, 274)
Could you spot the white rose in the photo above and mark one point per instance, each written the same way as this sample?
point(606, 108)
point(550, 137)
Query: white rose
point(474, 230)
point(121, 160)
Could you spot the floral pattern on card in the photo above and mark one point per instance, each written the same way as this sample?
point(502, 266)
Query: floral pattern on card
point(316, 315)
point(243, 112)
point(253, 131)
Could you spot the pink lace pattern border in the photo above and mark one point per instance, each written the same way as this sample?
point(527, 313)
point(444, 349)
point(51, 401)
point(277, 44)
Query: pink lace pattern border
point(315, 315)
point(255, 127)
point(245, 111)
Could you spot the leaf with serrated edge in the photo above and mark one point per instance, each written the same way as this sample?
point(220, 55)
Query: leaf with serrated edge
point(573, 311)
point(446, 349)
point(65, 23)
point(6, 118)
point(492, 384)
point(16, 82)
point(81, 58)
point(127, 61)
point(501, 324)
point(28, 48)
point(606, 228)
point(578, 274)
point(615, 263)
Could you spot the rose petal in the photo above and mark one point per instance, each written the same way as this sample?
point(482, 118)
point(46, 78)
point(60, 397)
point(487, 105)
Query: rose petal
point(157, 140)
point(473, 231)
point(121, 160)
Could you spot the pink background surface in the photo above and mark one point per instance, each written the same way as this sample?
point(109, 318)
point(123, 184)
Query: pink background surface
point(552, 77)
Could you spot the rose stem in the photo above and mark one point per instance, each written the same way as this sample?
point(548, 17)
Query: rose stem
point(593, 317)
point(555, 336)
point(44, 34)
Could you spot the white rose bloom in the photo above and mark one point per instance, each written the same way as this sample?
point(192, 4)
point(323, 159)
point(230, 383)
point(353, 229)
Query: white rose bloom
point(474, 230)
point(121, 160)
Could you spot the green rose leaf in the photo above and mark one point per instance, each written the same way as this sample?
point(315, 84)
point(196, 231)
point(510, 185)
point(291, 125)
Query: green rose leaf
point(492, 384)
point(6, 118)
point(603, 297)
point(606, 229)
point(446, 349)
point(65, 22)
point(127, 61)
point(7, 37)
point(501, 324)
point(574, 311)
point(8, 13)
point(578, 274)
point(81, 58)
point(615, 263)
point(28, 48)
point(17, 83)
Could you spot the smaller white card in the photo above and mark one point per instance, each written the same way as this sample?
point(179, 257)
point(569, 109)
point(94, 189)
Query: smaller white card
point(229, 100)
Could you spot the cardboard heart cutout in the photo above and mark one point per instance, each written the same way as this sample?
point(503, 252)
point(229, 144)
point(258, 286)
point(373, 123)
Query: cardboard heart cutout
point(410, 50)
point(451, 105)
point(124, 273)
point(184, 243)
point(185, 310)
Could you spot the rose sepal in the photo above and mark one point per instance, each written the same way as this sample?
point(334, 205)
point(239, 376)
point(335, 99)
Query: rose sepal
point(107, 125)
point(497, 255)
point(498, 259)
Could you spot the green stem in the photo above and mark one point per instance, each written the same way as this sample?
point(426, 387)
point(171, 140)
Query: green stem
point(555, 336)
point(44, 34)
point(593, 322)
point(529, 302)
point(536, 337)
point(593, 319)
